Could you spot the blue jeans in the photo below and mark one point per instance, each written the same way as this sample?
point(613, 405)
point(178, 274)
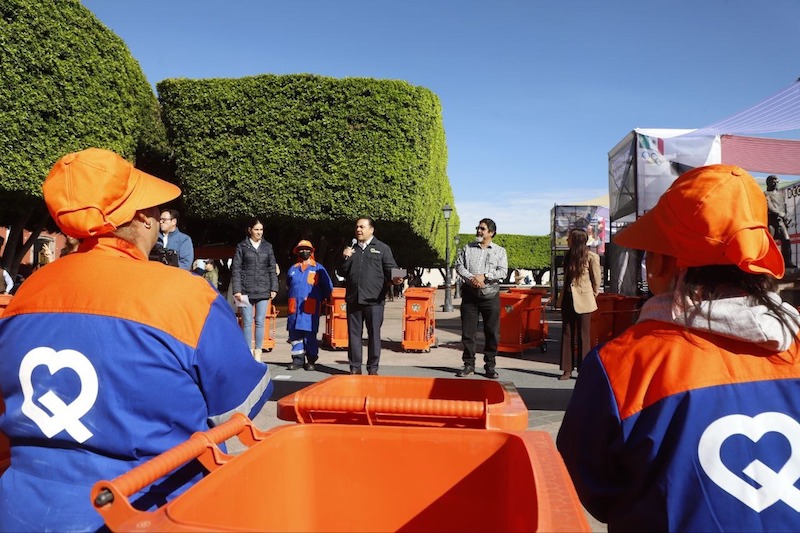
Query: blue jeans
point(247, 322)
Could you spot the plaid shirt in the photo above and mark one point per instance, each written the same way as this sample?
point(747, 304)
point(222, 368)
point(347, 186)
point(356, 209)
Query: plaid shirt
point(491, 261)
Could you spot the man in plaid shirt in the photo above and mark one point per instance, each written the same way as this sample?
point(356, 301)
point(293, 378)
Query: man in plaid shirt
point(482, 265)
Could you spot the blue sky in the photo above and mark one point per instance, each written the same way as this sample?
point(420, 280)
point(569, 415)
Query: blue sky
point(534, 94)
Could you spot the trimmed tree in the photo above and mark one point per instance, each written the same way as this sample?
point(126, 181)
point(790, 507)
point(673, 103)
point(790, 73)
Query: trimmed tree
point(66, 83)
point(311, 154)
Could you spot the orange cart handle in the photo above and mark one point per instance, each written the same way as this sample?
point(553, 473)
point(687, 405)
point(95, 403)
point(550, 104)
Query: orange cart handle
point(305, 404)
point(146, 473)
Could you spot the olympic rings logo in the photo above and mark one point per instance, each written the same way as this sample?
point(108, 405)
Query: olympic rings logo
point(652, 157)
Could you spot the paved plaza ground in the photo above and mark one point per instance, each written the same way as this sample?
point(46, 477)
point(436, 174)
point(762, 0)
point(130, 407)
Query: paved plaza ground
point(534, 373)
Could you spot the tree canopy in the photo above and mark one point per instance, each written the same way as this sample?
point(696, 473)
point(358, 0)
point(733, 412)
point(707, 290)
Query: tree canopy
point(66, 83)
point(311, 154)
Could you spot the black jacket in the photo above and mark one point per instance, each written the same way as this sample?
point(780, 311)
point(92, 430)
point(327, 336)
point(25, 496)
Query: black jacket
point(368, 273)
point(253, 270)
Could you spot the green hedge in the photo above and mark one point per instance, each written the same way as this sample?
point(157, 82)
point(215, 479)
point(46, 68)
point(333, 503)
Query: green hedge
point(66, 83)
point(311, 154)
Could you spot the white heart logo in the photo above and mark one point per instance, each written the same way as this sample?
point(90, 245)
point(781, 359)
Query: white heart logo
point(65, 417)
point(775, 486)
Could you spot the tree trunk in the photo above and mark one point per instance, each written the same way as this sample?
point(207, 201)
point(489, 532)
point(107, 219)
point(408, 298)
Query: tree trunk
point(16, 249)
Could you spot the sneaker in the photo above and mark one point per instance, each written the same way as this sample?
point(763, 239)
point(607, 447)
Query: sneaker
point(466, 371)
point(354, 371)
point(309, 366)
point(292, 367)
point(491, 374)
point(372, 372)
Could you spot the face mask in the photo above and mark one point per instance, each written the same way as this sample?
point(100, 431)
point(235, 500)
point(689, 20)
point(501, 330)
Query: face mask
point(304, 254)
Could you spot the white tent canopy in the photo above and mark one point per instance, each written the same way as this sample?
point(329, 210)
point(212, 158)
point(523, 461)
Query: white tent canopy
point(645, 163)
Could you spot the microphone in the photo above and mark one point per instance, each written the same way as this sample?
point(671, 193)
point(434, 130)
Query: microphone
point(352, 249)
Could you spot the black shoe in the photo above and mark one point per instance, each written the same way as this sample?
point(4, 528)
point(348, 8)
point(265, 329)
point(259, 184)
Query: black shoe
point(355, 371)
point(292, 367)
point(372, 372)
point(309, 366)
point(466, 371)
point(491, 374)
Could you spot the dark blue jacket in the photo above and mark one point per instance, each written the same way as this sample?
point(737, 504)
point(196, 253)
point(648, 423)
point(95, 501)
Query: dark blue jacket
point(368, 273)
point(253, 270)
point(181, 243)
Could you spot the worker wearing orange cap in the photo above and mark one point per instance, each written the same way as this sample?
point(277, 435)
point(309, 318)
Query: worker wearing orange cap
point(308, 285)
point(108, 359)
point(688, 420)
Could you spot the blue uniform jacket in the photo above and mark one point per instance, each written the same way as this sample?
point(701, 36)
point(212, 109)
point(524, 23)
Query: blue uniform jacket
point(676, 429)
point(308, 285)
point(108, 360)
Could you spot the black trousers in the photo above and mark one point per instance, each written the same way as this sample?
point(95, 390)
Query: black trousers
point(357, 316)
point(575, 333)
point(489, 310)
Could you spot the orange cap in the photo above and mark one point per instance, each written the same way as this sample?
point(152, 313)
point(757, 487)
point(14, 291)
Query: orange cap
point(94, 191)
point(713, 215)
point(303, 244)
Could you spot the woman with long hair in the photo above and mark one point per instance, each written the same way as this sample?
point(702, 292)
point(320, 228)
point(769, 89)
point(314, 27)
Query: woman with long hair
point(253, 274)
point(578, 301)
point(688, 420)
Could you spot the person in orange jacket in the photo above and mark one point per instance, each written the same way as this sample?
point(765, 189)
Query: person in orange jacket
point(688, 420)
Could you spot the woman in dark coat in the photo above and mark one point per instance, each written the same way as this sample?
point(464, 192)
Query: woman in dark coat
point(253, 275)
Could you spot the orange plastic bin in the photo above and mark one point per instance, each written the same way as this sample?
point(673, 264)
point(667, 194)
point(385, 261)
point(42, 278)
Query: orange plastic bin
point(407, 401)
point(419, 319)
point(614, 314)
point(536, 327)
point(335, 335)
point(305, 478)
point(514, 323)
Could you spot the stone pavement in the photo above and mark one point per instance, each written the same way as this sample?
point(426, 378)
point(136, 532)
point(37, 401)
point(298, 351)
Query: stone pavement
point(534, 372)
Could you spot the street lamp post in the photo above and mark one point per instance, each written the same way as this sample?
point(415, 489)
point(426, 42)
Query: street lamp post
point(448, 299)
point(456, 284)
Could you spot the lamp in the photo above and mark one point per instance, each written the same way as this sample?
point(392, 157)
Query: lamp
point(448, 298)
point(456, 284)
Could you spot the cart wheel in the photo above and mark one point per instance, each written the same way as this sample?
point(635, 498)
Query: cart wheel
point(428, 350)
point(543, 347)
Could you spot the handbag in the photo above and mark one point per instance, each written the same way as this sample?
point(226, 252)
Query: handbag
point(487, 292)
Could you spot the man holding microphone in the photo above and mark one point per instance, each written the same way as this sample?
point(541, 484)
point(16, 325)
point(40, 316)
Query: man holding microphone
point(367, 270)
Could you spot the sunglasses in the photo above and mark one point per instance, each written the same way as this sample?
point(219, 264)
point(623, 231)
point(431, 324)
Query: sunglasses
point(481, 228)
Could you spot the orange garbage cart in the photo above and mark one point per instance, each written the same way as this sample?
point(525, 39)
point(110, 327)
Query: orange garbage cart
point(419, 319)
point(269, 326)
point(407, 401)
point(521, 321)
point(335, 335)
point(536, 327)
point(418, 479)
point(614, 314)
